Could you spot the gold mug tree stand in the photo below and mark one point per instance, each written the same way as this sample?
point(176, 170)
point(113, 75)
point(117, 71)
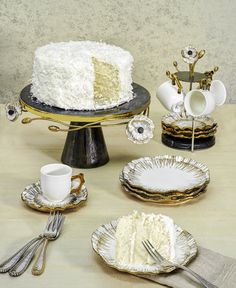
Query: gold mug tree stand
point(180, 130)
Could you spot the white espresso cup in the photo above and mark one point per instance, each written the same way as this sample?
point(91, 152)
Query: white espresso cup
point(168, 95)
point(199, 102)
point(56, 181)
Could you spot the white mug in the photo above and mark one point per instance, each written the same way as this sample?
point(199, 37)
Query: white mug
point(218, 89)
point(168, 95)
point(199, 102)
point(56, 181)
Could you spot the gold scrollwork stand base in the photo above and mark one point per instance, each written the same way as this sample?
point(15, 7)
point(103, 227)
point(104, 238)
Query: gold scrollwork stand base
point(85, 145)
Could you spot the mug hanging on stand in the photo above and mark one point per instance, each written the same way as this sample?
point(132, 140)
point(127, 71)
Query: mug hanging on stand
point(169, 95)
point(200, 102)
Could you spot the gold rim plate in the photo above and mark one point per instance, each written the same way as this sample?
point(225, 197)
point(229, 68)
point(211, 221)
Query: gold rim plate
point(152, 174)
point(172, 200)
point(104, 244)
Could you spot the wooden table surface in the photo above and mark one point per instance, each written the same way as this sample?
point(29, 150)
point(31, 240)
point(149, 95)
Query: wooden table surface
point(71, 262)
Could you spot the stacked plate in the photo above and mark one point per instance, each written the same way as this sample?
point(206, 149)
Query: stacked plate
point(175, 125)
point(165, 179)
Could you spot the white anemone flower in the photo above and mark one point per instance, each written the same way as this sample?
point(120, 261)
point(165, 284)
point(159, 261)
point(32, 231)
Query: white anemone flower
point(189, 54)
point(140, 129)
point(13, 111)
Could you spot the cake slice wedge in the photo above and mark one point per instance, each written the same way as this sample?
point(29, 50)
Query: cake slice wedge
point(136, 227)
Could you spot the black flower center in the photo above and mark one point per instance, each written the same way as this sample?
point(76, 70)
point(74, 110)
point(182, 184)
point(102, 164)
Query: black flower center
point(11, 112)
point(190, 52)
point(140, 130)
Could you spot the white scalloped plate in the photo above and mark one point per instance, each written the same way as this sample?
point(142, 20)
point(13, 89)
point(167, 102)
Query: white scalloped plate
point(166, 173)
point(104, 244)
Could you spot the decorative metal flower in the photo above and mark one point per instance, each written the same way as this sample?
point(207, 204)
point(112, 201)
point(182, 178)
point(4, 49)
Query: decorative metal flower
point(189, 54)
point(140, 129)
point(13, 110)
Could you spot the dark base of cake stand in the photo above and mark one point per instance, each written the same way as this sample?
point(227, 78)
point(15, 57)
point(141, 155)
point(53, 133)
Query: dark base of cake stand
point(186, 144)
point(85, 148)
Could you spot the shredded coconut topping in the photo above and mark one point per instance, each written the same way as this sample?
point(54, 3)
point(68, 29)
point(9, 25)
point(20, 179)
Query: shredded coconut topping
point(64, 75)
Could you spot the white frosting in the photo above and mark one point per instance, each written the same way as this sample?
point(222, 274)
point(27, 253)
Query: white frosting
point(137, 227)
point(63, 74)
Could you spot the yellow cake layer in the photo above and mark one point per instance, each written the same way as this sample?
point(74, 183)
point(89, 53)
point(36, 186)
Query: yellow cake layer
point(107, 84)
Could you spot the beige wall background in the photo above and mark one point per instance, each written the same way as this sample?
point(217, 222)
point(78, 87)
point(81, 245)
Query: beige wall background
point(153, 31)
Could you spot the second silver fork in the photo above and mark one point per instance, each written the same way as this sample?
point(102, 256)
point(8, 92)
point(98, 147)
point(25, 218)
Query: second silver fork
point(21, 266)
point(164, 262)
point(39, 265)
point(12, 260)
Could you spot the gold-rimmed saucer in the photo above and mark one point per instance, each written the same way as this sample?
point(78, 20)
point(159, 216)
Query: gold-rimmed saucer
point(184, 123)
point(32, 196)
point(180, 126)
point(188, 136)
point(189, 132)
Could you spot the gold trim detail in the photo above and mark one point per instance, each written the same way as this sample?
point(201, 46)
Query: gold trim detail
point(92, 122)
point(77, 118)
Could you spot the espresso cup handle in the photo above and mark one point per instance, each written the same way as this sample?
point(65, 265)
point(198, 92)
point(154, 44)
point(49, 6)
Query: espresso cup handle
point(80, 176)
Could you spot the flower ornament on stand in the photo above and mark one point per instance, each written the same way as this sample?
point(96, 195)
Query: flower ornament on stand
point(13, 111)
point(140, 129)
point(191, 108)
point(189, 54)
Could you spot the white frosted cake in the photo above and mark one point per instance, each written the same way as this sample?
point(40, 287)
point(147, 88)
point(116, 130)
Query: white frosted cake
point(82, 75)
point(137, 227)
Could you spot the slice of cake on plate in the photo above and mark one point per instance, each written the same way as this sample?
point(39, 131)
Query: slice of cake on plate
point(82, 75)
point(137, 227)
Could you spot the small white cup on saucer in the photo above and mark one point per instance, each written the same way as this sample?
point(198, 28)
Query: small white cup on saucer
point(55, 181)
point(168, 95)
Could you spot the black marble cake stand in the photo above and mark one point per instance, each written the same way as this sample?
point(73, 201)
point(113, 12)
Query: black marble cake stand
point(85, 148)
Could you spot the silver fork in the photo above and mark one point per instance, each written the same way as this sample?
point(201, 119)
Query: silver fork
point(164, 262)
point(20, 267)
point(39, 265)
point(12, 260)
